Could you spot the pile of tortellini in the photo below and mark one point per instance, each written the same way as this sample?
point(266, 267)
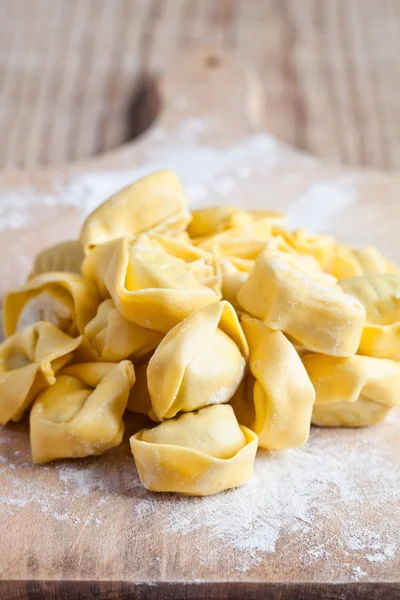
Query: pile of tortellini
point(224, 328)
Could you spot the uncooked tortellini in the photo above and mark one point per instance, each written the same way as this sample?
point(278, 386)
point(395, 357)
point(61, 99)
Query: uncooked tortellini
point(81, 414)
point(380, 295)
point(113, 338)
point(153, 288)
point(67, 300)
point(65, 256)
point(350, 262)
point(197, 453)
point(241, 331)
point(276, 403)
point(352, 392)
point(155, 203)
point(291, 294)
point(210, 341)
point(29, 360)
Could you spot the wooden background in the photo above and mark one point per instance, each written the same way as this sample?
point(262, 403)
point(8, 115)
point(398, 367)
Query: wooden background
point(76, 76)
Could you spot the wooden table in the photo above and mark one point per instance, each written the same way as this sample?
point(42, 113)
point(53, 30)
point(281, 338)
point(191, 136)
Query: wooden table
point(76, 76)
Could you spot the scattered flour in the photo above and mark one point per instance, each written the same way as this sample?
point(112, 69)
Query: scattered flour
point(321, 499)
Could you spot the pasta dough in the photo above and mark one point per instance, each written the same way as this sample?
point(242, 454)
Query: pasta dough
point(197, 453)
point(113, 338)
point(81, 414)
point(155, 203)
point(291, 294)
point(380, 295)
point(277, 403)
point(65, 256)
point(29, 360)
point(209, 341)
point(67, 300)
point(153, 288)
point(349, 262)
point(352, 392)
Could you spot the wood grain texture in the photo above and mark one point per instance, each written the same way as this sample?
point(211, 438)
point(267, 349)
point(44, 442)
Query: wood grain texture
point(87, 528)
point(76, 77)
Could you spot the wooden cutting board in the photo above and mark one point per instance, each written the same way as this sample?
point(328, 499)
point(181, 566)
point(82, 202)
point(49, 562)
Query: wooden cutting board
point(322, 521)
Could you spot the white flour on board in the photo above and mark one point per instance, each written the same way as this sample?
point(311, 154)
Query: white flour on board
point(311, 495)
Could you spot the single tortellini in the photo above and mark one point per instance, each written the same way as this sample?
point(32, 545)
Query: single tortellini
point(113, 338)
point(292, 294)
point(139, 398)
point(380, 295)
point(349, 262)
point(199, 362)
point(155, 203)
point(65, 256)
point(153, 288)
point(29, 360)
point(352, 392)
point(277, 402)
point(81, 414)
point(67, 300)
point(198, 453)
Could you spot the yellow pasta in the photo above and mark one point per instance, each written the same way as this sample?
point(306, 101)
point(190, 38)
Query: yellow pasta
point(65, 256)
point(155, 203)
point(223, 327)
point(81, 414)
point(197, 454)
point(278, 400)
point(209, 341)
point(292, 294)
point(153, 288)
point(380, 295)
point(352, 392)
point(67, 300)
point(29, 360)
point(113, 338)
point(350, 262)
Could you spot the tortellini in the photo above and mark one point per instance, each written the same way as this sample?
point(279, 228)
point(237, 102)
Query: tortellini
point(221, 326)
point(29, 360)
point(350, 262)
point(67, 300)
point(291, 294)
point(210, 341)
point(277, 402)
point(153, 288)
point(198, 453)
point(352, 392)
point(81, 414)
point(380, 295)
point(113, 338)
point(320, 247)
point(65, 256)
point(155, 203)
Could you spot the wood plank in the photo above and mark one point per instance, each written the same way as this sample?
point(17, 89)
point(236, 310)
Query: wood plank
point(68, 71)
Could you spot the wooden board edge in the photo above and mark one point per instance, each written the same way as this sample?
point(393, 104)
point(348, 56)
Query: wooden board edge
point(76, 590)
